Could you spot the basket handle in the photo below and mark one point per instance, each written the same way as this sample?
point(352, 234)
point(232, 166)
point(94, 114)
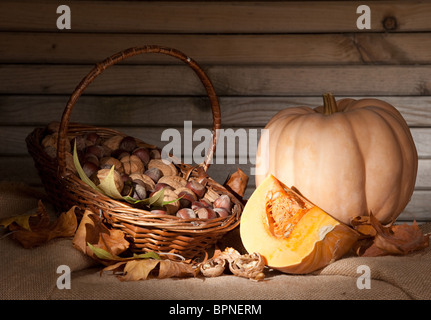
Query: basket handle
point(100, 67)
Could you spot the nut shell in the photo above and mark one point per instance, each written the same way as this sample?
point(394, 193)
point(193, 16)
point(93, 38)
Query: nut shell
point(132, 164)
point(166, 167)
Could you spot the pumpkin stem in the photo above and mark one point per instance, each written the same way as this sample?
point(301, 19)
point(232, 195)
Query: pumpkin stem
point(329, 104)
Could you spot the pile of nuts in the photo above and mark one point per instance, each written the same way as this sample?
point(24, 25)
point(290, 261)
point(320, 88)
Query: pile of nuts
point(140, 172)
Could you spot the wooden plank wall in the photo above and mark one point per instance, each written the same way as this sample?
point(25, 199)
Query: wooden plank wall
point(261, 56)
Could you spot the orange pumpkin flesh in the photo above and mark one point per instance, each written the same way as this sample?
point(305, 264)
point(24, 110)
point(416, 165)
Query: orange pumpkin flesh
point(292, 234)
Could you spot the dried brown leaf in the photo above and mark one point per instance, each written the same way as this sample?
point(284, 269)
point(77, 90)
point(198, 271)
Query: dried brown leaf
point(237, 183)
point(388, 240)
point(170, 269)
point(92, 230)
point(138, 269)
point(42, 230)
point(23, 220)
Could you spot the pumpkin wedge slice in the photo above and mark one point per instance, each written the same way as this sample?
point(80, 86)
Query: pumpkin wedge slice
point(293, 235)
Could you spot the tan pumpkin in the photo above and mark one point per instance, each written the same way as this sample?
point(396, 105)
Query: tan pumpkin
point(349, 157)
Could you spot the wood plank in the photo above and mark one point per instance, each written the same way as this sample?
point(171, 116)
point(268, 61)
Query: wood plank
point(228, 80)
point(212, 17)
point(296, 49)
point(12, 138)
point(22, 169)
point(144, 111)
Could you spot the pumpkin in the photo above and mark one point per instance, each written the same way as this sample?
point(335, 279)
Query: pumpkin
point(351, 157)
point(291, 233)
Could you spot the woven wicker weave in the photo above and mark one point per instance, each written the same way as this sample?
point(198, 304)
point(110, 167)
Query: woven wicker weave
point(146, 231)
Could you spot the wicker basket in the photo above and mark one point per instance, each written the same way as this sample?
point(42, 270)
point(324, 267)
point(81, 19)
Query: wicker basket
point(146, 231)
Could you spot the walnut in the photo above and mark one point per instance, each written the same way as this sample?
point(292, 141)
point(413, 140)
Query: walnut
point(248, 266)
point(132, 164)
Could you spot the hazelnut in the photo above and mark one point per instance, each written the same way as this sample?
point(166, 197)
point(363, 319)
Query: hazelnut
point(155, 154)
point(186, 213)
point(98, 151)
point(119, 153)
point(93, 137)
point(221, 212)
point(90, 157)
point(132, 164)
point(51, 151)
point(159, 186)
point(187, 197)
point(139, 190)
point(223, 202)
point(154, 173)
point(127, 189)
point(52, 140)
point(196, 205)
point(206, 213)
point(198, 188)
point(159, 211)
point(90, 168)
point(53, 126)
point(81, 143)
point(143, 154)
point(128, 144)
point(206, 203)
point(126, 178)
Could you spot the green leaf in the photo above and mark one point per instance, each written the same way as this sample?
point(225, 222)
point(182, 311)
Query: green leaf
point(101, 253)
point(81, 172)
point(109, 187)
point(154, 200)
point(171, 201)
point(105, 255)
point(147, 255)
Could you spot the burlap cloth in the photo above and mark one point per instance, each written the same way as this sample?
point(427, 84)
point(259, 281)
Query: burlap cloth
point(32, 273)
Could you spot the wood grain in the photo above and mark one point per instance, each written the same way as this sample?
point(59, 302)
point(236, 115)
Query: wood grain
point(293, 49)
point(212, 17)
point(22, 169)
point(144, 111)
point(228, 80)
point(261, 56)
